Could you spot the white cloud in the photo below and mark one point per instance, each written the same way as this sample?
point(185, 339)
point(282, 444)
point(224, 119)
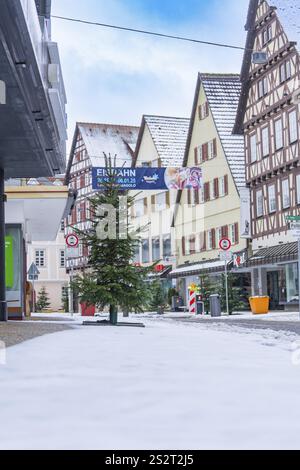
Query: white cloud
point(114, 76)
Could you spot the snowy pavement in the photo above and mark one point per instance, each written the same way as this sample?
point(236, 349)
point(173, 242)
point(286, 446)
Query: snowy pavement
point(170, 385)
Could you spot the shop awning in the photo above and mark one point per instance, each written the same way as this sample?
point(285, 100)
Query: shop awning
point(199, 268)
point(274, 254)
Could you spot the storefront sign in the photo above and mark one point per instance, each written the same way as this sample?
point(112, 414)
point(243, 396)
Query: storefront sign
point(9, 262)
point(150, 178)
point(239, 259)
point(245, 213)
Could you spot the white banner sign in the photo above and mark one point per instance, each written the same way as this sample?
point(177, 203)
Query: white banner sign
point(72, 252)
point(245, 213)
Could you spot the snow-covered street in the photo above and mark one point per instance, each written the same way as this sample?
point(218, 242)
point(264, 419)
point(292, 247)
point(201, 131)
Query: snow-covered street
point(168, 386)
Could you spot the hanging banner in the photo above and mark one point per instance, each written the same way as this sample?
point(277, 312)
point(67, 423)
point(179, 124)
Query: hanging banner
point(245, 213)
point(146, 178)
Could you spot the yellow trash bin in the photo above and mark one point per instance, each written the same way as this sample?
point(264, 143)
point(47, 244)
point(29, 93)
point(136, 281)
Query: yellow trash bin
point(259, 305)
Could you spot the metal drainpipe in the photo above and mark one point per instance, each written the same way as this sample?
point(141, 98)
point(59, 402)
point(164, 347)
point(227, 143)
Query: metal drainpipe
point(3, 304)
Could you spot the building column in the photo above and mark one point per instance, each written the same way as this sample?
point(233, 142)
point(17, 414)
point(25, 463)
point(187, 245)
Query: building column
point(3, 304)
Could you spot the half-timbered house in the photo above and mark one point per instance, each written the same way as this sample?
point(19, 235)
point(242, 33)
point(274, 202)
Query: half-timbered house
point(90, 143)
point(268, 116)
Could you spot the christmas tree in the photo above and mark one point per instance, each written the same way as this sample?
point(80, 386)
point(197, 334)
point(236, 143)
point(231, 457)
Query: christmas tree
point(43, 300)
point(235, 294)
point(111, 279)
point(158, 297)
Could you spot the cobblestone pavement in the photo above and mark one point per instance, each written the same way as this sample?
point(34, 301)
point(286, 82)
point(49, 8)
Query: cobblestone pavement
point(290, 326)
point(14, 332)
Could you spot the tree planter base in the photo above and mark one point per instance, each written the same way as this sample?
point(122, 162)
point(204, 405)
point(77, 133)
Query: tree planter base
point(108, 323)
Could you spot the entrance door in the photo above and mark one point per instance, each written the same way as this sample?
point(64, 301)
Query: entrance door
point(273, 289)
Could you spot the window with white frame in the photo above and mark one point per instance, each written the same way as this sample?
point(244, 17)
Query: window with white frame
point(285, 71)
point(286, 197)
point(272, 198)
point(211, 149)
point(62, 258)
point(212, 190)
point(145, 251)
point(267, 35)
point(232, 234)
point(298, 188)
point(139, 208)
point(155, 248)
point(222, 186)
point(167, 248)
point(259, 203)
point(87, 179)
point(265, 142)
point(219, 235)
point(262, 87)
point(40, 258)
point(278, 134)
point(62, 226)
point(253, 148)
point(209, 240)
point(161, 201)
point(293, 127)
point(199, 154)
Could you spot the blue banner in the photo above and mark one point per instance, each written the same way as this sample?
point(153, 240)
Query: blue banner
point(151, 179)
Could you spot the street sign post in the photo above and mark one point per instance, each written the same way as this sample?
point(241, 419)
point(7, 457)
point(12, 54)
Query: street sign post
point(33, 275)
point(72, 251)
point(294, 221)
point(225, 245)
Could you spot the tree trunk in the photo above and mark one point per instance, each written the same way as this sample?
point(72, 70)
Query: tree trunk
point(125, 312)
point(113, 314)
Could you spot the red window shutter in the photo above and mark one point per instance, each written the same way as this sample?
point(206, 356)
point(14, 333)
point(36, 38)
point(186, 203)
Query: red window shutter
point(236, 231)
point(167, 199)
point(82, 181)
point(196, 156)
point(216, 187)
point(197, 198)
point(183, 245)
point(192, 245)
point(215, 147)
point(226, 184)
point(225, 231)
point(206, 192)
point(213, 236)
point(83, 213)
point(206, 109)
point(189, 197)
point(205, 152)
point(145, 205)
point(200, 112)
point(203, 241)
point(153, 202)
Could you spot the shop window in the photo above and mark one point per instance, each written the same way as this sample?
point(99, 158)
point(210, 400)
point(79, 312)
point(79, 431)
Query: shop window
point(155, 249)
point(145, 251)
point(167, 249)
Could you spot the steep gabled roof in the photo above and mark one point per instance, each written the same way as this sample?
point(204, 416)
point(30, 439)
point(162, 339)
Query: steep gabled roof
point(169, 135)
point(100, 139)
point(288, 12)
point(223, 93)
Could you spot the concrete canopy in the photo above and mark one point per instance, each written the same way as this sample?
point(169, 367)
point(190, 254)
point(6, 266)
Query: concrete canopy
point(39, 209)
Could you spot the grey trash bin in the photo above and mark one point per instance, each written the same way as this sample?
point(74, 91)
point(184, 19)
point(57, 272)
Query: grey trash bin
point(215, 305)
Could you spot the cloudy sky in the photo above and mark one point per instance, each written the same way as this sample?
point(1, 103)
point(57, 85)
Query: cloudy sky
point(116, 77)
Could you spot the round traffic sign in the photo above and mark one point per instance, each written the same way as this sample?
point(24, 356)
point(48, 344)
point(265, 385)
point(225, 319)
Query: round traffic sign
point(72, 240)
point(225, 244)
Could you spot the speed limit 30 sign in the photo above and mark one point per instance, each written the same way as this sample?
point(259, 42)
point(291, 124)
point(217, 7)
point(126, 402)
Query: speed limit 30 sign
point(225, 244)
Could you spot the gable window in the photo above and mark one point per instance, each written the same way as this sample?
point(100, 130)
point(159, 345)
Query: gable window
point(267, 35)
point(146, 164)
point(262, 87)
point(198, 155)
point(222, 190)
point(286, 197)
point(219, 235)
point(232, 234)
point(212, 149)
point(285, 71)
point(209, 240)
point(212, 190)
point(293, 127)
point(253, 148)
point(40, 258)
point(265, 142)
point(278, 134)
point(203, 111)
point(259, 203)
point(272, 198)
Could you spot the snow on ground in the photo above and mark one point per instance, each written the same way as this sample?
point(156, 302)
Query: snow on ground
point(170, 385)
